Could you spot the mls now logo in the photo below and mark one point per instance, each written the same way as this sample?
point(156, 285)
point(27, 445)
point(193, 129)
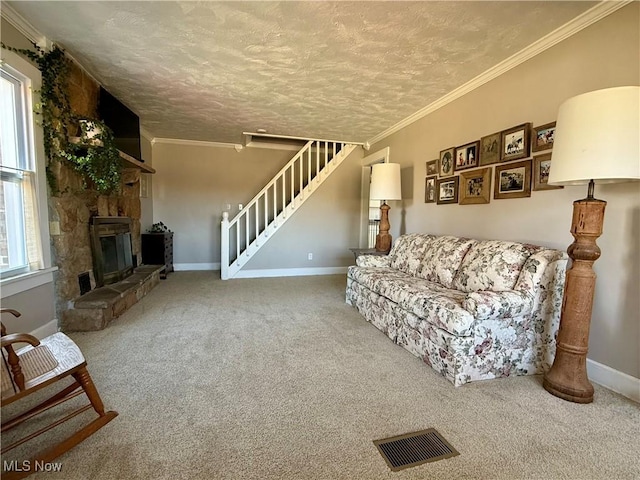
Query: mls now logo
point(28, 466)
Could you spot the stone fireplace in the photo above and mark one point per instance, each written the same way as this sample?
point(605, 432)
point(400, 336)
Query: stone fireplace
point(77, 216)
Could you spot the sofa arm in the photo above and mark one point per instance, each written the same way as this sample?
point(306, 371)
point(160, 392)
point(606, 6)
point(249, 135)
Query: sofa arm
point(373, 261)
point(485, 305)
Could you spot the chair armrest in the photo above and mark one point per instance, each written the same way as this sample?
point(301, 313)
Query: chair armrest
point(485, 305)
point(373, 261)
point(19, 338)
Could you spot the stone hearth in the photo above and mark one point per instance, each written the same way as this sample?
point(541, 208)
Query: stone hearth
point(94, 310)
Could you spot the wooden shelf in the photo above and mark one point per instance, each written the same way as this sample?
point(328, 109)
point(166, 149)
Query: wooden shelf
point(127, 160)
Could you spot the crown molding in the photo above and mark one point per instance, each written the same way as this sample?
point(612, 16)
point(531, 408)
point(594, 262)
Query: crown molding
point(591, 16)
point(23, 26)
point(148, 135)
point(196, 143)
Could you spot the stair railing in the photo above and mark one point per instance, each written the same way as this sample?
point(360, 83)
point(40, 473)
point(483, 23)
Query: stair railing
point(242, 236)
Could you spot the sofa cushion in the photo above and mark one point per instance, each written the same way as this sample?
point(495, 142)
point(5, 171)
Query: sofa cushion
point(442, 258)
point(431, 301)
point(438, 305)
point(492, 265)
point(408, 251)
point(373, 261)
point(371, 277)
point(490, 305)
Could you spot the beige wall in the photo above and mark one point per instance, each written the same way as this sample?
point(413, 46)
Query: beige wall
point(146, 203)
point(326, 225)
point(603, 55)
point(36, 306)
point(193, 184)
point(12, 37)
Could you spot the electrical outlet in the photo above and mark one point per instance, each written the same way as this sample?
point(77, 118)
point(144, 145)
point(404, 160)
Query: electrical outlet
point(310, 256)
point(240, 206)
point(227, 206)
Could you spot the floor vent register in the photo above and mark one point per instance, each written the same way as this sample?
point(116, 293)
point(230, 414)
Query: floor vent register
point(412, 449)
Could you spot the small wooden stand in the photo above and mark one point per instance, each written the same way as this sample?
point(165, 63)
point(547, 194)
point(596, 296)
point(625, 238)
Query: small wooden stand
point(383, 239)
point(567, 378)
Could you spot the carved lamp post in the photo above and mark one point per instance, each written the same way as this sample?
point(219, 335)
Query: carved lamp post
point(385, 185)
point(597, 140)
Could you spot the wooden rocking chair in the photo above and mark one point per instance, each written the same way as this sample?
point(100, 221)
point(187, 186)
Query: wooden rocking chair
point(37, 365)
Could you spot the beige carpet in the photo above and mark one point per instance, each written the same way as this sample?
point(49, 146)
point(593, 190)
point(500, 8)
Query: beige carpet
point(279, 378)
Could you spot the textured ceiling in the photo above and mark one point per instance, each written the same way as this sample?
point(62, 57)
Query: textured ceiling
point(341, 70)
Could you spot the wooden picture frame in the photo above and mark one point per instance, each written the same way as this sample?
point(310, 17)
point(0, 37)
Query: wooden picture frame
point(467, 156)
point(447, 190)
point(490, 149)
point(432, 167)
point(541, 165)
point(430, 189)
point(475, 186)
point(445, 162)
point(543, 137)
point(515, 142)
point(512, 180)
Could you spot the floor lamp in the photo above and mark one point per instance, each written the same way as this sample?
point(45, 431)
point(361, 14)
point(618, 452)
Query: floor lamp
point(597, 140)
point(385, 185)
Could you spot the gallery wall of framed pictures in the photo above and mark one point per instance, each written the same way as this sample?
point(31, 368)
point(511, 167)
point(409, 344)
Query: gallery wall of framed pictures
point(516, 161)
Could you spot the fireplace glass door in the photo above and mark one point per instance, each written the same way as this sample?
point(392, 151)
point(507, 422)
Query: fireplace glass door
point(112, 253)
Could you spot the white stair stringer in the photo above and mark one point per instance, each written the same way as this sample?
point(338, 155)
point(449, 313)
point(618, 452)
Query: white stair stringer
point(244, 235)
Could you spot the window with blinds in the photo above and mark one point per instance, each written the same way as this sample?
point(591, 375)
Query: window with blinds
point(20, 246)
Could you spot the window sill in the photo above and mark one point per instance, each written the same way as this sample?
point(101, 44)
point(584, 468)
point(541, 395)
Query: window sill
point(26, 281)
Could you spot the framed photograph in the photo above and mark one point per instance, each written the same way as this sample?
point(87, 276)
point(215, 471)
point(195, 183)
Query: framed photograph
point(490, 149)
point(447, 190)
point(543, 137)
point(515, 142)
point(541, 166)
point(445, 164)
point(475, 186)
point(430, 189)
point(467, 156)
point(513, 180)
point(432, 167)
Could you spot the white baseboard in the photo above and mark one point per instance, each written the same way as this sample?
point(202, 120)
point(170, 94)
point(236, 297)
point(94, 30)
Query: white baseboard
point(290, 272)
point(614, 380)
point(45, 330)
point(184, 267)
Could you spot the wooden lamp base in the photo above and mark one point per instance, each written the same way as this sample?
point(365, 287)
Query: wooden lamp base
point(567, 378)
point(383, 239)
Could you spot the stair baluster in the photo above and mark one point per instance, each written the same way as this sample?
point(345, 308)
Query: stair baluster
point(334, 153)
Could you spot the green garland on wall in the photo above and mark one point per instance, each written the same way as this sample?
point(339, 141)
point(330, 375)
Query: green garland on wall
point(95, 156)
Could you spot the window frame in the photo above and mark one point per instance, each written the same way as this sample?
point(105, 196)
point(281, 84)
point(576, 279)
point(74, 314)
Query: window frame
point(29, 74)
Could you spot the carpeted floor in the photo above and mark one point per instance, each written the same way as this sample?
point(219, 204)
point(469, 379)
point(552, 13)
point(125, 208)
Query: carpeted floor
point(280, 379)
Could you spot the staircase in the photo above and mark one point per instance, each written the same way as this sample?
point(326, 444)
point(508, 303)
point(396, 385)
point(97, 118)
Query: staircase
point(250, 229)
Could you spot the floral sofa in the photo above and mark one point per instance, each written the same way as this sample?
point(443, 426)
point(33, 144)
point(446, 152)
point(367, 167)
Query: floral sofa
point(471, 309)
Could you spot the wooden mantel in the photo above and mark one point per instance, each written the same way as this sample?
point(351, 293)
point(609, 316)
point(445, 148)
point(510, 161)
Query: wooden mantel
point(127, 160)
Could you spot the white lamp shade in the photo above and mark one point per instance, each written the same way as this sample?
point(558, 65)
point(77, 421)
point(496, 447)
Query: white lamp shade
point(385, 182)
point(597, 138)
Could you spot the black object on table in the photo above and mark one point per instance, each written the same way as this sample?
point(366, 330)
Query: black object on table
point(157, 249)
